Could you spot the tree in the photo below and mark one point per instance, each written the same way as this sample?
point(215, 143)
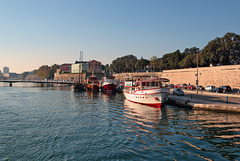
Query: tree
point(125, 63)
point(25, 74)
point(43, 72)
point(52, 71)
point(225, 50)
point(188, 61)
point(141, 64)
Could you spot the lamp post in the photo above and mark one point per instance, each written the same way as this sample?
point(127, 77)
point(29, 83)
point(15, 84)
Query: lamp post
point(119, 72)
point(197, 72)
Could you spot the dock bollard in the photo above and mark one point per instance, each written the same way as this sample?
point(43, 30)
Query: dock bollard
point(227, 99)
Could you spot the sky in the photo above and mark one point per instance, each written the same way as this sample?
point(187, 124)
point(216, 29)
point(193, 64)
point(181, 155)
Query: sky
point(46, 32)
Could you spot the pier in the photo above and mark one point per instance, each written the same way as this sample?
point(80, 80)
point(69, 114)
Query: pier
point(223, 102)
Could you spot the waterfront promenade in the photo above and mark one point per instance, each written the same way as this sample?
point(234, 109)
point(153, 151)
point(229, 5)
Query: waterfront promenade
point(208, 101)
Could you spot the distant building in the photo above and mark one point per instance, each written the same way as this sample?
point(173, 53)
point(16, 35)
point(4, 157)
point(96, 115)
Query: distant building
point(12, 75)
point(65, 68)
point(5, 70)
point(80, 65)
point(94, 65)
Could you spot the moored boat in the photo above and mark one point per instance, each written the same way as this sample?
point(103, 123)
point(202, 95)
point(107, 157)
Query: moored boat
point(108, 84)
point(78, 87)
point(146, 90)
point(92, 84)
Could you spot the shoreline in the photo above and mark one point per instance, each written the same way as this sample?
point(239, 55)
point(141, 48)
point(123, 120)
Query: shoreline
point(207, 101)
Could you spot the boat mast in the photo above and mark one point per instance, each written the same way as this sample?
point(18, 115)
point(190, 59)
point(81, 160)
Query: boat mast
point(80, 60)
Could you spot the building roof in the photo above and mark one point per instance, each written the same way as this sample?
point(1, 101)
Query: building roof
point(94, 61)
point(77, 62)
point(66, 64)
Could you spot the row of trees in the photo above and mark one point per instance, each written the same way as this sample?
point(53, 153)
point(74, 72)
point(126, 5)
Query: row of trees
point(223, 51)
point(43, 72)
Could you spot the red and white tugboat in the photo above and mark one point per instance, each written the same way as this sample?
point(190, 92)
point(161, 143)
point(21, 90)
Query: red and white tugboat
point(146, 90)
point(108, 84)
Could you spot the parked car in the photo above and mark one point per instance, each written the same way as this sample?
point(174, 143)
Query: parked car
point(177, 86)
point(191, 87)
point(226, 88)
point(200, 88)
point(183, 86)
point(236, 90)
point(165, 85)
point(171, 85)
point(217, 90)
point(178, 92)
point(209, 88)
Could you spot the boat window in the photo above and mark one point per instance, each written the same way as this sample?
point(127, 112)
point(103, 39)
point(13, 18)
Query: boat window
point(156, 83)
point(152, 84)
point(143, 84)
point(148, 83)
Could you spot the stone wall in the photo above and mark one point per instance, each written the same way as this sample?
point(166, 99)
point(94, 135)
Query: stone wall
point(75, 77)
point(217, 75)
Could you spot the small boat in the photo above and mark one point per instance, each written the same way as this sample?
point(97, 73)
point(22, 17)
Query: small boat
point(108, 85)
point(147, 90)
point(78, 87)
point(92, 84)
point(120, 87)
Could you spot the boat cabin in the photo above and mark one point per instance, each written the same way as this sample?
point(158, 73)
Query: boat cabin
point(92, 79)
point(109, 79)
point(141, 83)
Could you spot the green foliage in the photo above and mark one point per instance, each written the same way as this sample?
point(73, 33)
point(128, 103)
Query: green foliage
point(105, 67)
point(25, 74)
point(225, 50)
point(52, 71)
point(124, 64)
point(171, 60)
point(141, 64)
point(43, 72)
point(46, 72)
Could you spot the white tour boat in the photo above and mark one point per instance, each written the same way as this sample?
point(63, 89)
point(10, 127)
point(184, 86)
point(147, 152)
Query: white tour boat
point(146, 90)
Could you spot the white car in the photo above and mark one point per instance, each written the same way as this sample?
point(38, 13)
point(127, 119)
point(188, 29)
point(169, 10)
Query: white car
point(209, 88)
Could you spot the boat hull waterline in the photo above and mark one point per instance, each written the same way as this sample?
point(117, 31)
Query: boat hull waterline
point(152, 97)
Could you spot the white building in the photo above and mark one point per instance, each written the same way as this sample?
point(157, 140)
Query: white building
point(81, 65)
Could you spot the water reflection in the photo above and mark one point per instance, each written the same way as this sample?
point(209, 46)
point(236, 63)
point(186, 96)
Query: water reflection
point(92, 95)
point(142, 113)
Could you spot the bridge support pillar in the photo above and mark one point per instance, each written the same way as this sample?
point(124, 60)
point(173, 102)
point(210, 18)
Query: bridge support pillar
point(10, 84)
point(40, 85)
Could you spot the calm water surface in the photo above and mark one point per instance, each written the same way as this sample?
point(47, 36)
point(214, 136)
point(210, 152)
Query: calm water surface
point(54, 123)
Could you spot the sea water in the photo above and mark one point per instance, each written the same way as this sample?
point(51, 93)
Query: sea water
point(55, 123)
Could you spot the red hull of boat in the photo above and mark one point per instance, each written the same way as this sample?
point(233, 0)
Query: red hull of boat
point(155, 105)
point(109, 88)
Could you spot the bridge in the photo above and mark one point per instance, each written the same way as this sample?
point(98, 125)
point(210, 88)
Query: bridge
point(40, 82)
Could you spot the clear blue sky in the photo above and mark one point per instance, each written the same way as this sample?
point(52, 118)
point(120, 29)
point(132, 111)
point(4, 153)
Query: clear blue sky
point(44, 32)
